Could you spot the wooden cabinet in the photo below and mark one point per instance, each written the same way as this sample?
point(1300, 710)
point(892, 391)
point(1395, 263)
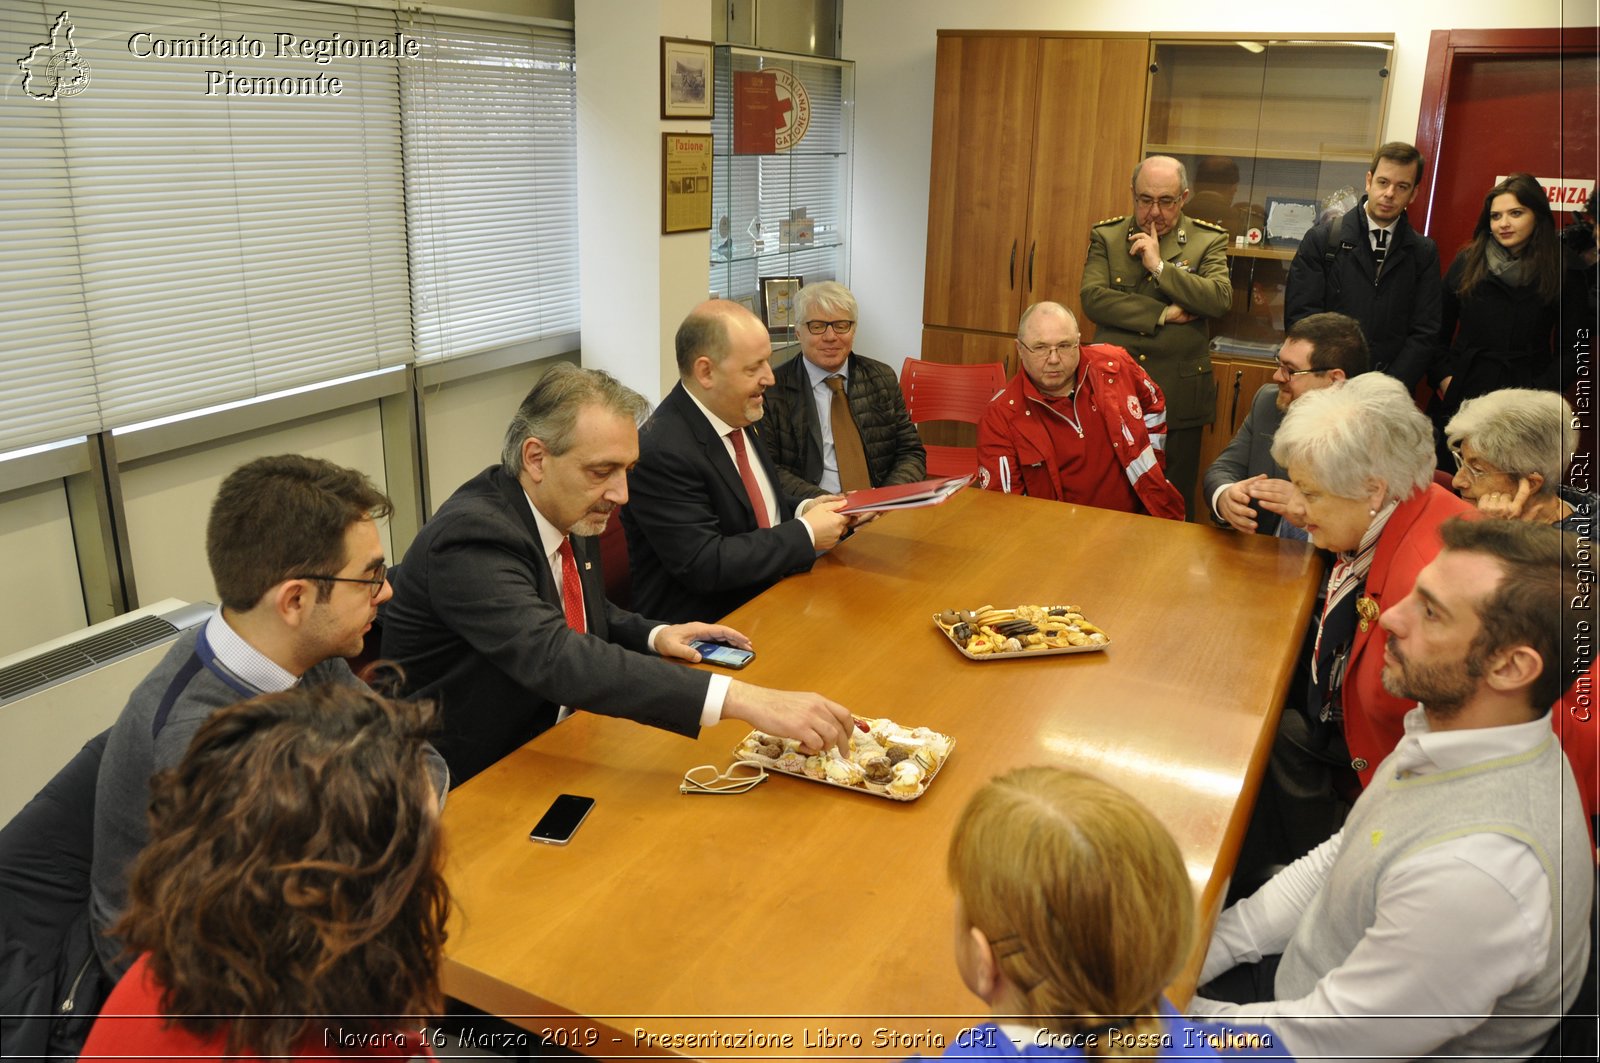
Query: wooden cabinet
point(1034, 136)
point(1238, 380)
point(1272, 132)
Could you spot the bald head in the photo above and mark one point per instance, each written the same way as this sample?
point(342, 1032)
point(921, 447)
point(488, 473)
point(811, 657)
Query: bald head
point(1160, 188)
point(724, 360)
point(709, 330)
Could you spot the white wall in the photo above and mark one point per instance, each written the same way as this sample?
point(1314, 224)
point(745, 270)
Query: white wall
point(893, 45)
point(637, 284)
point(167, 498)
point(38, 568)
point(466, 423)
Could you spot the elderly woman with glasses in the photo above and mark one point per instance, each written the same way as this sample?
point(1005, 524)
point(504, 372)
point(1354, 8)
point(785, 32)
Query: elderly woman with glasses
point(1361, 459)
point(1511, 448)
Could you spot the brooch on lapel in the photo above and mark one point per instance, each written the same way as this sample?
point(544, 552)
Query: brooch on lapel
point(1183, 237)
point(1367, 610)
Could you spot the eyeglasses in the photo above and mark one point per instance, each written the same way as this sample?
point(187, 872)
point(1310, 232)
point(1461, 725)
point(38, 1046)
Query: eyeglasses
point(375, 584)
point(1284, 368)
point(1474, 473)
point(1045, 350)
point(1165, 202)
point(840, 328)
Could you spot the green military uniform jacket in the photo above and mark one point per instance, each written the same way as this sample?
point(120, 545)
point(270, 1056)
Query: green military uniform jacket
point(1125, 302)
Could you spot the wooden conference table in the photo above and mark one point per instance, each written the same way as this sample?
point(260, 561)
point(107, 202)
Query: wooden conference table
point(805, 910)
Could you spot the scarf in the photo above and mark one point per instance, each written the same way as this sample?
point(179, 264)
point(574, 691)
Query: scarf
point(1336, 627)
point(1512, 270)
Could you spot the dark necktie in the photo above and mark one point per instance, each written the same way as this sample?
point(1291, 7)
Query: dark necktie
point(1382, 246)
point(847, 448)
point(571, 588)
point(748, 475)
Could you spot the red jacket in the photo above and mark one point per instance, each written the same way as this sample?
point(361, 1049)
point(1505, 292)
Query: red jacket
point(1015, 454)
point(1372, 716)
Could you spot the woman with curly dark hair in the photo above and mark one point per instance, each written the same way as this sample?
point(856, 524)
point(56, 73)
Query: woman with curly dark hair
point(1511, 305)
point(290, 900)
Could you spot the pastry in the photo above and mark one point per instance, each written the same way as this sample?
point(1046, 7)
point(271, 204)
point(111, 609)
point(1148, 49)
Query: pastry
point(878, 770)
point(815, 768)
point(792, 761)
point(844, 772)
point(907, 781)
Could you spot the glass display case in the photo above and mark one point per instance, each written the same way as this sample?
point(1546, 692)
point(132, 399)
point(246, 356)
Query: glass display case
point(780, 199)
point(1276, 135)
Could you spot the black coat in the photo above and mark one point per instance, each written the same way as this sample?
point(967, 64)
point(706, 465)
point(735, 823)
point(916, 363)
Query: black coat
point(1500, 336)
point(1398, 311)
point(694, 547)
point(477, 624)
point(793, 435)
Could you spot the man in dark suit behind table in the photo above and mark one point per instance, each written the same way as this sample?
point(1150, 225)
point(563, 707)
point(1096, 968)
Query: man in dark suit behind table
point(499, 610)
point(835, 419)
point(709, 524)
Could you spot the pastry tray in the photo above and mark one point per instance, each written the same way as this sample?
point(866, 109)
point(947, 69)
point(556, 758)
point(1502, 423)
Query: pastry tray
point(1008, 655)
point(793, 762)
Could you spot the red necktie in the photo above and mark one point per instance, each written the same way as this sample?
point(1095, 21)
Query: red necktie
point(748, 475)
point(571, 589)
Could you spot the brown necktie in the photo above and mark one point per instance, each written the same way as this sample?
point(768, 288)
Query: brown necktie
point(847, 448)
point(748, 475)
point(571, 588)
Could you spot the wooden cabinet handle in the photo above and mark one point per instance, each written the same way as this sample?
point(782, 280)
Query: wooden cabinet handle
point(1233, 414)
point(1032, 247)
point(1012, 269)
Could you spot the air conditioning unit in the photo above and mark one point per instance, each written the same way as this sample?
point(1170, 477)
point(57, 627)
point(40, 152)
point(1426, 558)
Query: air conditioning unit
point(58, 695)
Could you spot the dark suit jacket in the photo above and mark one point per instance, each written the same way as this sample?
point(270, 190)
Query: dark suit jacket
point(694, 548)
point(793, 434)
point(1250, 454)
point(477, 624)
point(1333, 269)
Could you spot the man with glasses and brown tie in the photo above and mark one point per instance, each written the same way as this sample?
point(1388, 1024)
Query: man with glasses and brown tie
point(710, 524)
point(1151, 280)
point(835, 419)
point(500, 612)
point(1246, 489)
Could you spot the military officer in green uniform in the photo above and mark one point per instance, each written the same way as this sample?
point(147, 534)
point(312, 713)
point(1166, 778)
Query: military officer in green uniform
point(1151, 281)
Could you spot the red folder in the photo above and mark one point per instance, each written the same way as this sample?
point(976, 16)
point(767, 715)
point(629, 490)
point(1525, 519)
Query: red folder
point(904, 496)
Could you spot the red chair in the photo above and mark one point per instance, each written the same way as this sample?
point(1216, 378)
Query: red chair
point(614, 563)
point(936, 391)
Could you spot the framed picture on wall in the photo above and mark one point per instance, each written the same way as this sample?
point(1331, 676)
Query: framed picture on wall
point(686, 78)
point(777, 303)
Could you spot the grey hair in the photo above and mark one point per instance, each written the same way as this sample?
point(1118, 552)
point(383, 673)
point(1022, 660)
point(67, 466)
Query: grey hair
point(825, 293)
point(550, 411)
point(1518, 431)
point(1047, 306)
point(1362, 429)
point(1183, 171)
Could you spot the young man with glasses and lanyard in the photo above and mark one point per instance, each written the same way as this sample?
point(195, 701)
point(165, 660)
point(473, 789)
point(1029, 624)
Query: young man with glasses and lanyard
point(299, 567)
point(1245, 488)
point(1151, 281)
point(836, 420)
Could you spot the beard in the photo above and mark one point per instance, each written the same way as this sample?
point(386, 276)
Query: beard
point(1442, 688)
point(592, 523)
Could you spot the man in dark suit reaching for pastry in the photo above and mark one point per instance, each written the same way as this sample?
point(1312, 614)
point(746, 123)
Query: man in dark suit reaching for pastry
point(499, 610)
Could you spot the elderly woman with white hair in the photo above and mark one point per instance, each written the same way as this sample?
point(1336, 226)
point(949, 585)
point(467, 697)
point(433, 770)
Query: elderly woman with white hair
point(1361, 458)
point(1511, 449)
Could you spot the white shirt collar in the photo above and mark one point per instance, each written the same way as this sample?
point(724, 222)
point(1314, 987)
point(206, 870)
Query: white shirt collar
point(721, 427)
point(819, 376)
point(244, 660)
point(1424, 751)
point(550, 537)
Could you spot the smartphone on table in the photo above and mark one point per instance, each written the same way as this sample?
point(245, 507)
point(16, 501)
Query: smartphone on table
point(723, 654)
point(561, 819)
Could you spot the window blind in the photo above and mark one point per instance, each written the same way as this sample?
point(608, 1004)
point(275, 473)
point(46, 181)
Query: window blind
point(196, 226)
point(491, 185)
